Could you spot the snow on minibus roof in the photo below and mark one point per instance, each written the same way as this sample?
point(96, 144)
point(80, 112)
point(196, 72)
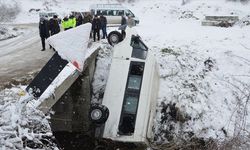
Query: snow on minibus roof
point(106, 6)
point(72, 45)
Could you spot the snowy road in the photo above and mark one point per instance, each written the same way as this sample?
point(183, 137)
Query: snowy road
point(21, 56)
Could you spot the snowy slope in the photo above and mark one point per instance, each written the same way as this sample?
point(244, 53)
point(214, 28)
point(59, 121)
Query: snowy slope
point(204, 70)
point(22, 126)
point(204, 87)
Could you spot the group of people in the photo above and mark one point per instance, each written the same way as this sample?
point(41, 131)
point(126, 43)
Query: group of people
point(99, 23)
point(75, 20)
point(50, 27)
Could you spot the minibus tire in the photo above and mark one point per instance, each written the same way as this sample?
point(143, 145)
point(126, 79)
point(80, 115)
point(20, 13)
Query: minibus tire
point(98, 114)
point(114, 35)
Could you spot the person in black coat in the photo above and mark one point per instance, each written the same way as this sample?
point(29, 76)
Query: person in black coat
point(79, 19)
point(96, 27)
point(54, 25)
point(123, 25)
point(103, 21)
point(43, 30)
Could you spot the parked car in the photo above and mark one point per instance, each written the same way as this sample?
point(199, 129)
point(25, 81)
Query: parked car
point(113, 12)
point(128, 107)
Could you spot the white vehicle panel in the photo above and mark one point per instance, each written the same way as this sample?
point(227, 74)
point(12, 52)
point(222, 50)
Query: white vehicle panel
point(115, 92)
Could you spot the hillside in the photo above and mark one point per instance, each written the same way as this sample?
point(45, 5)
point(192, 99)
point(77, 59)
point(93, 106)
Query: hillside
point(204, 87)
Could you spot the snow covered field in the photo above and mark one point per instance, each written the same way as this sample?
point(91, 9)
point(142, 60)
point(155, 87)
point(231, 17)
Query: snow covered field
point(205, 71)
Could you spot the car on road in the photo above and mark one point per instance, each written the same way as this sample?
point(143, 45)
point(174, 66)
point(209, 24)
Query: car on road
point(112, 12)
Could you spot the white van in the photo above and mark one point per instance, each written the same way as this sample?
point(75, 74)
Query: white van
point(129, 101)
point(112, 12)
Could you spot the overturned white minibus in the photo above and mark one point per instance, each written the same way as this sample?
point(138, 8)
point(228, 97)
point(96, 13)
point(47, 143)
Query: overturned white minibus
point(129, 102)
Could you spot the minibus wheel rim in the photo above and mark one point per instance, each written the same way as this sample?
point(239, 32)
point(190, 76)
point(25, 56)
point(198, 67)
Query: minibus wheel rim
point(96, 114)
point(114, 39)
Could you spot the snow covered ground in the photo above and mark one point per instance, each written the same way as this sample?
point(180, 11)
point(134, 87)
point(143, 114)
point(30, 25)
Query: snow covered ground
point(22, 126)
point(21, 56)
point(204, 88)
point(9, 32)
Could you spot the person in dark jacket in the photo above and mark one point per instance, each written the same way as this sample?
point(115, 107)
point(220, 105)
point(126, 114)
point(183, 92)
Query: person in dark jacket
point(54, 25)
point(123, 23)
point(87, 17)
point(79, 19)
point(43, 30)
point(103, 21)
point(96, 27)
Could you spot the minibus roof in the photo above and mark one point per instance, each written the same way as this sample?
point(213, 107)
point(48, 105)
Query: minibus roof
point(107, 6)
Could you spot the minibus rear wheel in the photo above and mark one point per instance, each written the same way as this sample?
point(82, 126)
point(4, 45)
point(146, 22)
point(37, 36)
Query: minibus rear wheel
point(114, 38)
point(98, 114)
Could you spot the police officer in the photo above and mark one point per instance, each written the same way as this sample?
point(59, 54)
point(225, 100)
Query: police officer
point(72, 21)
point(65, 23)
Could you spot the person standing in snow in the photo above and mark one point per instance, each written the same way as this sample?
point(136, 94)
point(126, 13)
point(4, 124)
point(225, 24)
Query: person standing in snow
point(79, 19)
point(96, 27)
point(65, 23)
point(130, 22)
point(103, 21)
point(43, 30)
point(54, 25)
point(72, 21)
point(123, 26)
point(87, 18)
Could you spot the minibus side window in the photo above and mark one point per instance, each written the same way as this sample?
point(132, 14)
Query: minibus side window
point(131, 99)
point(104, 12)
point(110, 13)
point(101, 12)
point(120, 13)
point(115, 12)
